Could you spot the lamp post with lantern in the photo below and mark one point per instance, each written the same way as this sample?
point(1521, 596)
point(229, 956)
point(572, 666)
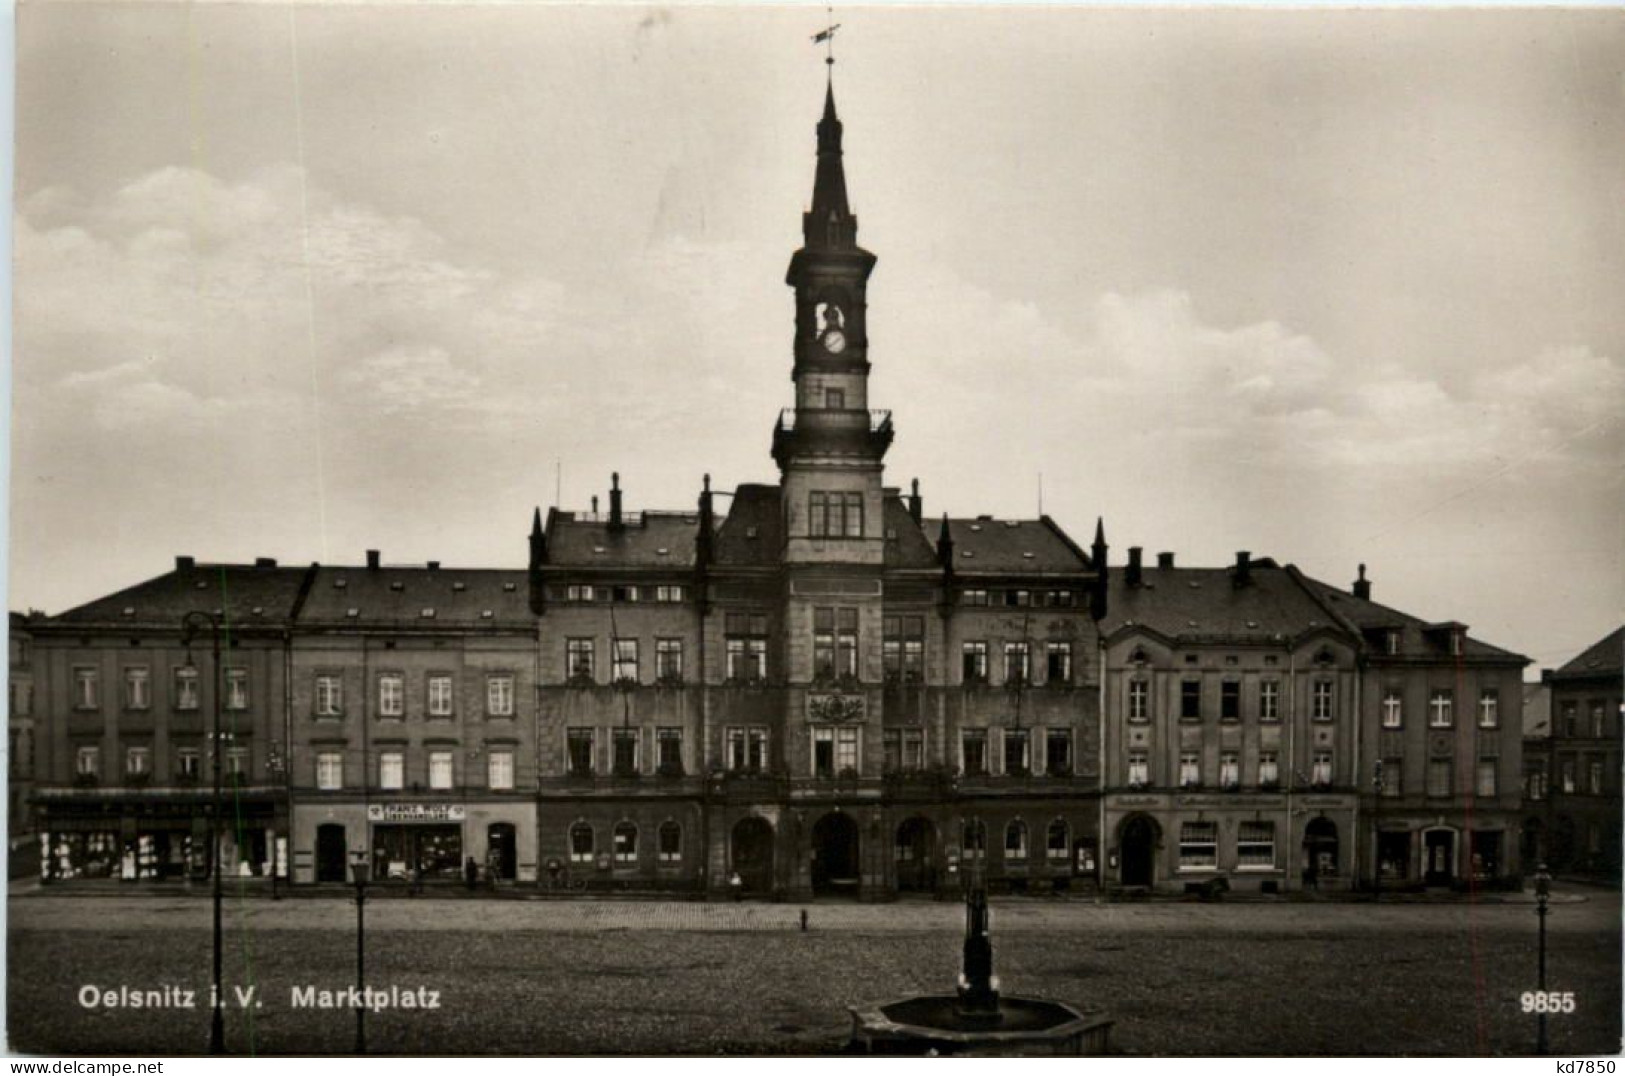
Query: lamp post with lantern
point(360, 871)
point(192, 624)
point(1543, 894)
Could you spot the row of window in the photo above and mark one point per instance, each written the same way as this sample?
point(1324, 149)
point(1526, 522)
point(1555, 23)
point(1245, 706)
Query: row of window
point(1268, 700)
point(834, 514)
point(185, 688)
point(439, 695)
point(87, 762)
point(663, 593)
point(625, 751)
point(1266, 766)
point(624, 842)
point(835, 655)
point(1441, 777)
point(836, 750)
point(973, 841)
point(1568, 719)
point(1199, 846)
point(1569, 771)
point(499, 770)
point(1017, 662)
point(1054, 599)
point(1441, 708)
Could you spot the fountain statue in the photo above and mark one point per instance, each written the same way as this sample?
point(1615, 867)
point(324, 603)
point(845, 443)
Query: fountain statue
point(976, 1019)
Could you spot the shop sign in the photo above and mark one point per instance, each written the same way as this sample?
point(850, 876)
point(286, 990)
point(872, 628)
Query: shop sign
point(415, 812)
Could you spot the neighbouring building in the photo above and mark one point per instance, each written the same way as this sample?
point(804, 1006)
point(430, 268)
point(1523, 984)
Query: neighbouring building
point(412, 723)
point(1232, 729)
point(1580, 806)
point(127, 704)
point(22, 851)
point(1440, 763)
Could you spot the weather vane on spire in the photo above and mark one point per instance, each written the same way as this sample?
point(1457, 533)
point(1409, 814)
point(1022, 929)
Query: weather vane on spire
point(827, 37)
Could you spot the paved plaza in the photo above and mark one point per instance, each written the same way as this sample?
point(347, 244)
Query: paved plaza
point(675, 977)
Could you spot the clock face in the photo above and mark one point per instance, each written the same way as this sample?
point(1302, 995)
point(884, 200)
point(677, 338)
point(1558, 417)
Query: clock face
point(834, 341)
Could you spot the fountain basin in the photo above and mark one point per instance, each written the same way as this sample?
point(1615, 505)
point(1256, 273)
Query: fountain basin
point(1031, 1027)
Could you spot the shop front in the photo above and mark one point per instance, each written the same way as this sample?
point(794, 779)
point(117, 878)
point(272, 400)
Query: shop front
point(156, 838)
point(415, 841)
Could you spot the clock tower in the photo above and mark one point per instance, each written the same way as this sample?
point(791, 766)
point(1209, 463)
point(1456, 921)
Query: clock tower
point(830, 446)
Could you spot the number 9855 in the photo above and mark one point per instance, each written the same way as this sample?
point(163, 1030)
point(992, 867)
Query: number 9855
point(1549, 1001)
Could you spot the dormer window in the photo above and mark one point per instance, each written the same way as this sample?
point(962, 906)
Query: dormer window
point(1391, 641)
point(1456, 642)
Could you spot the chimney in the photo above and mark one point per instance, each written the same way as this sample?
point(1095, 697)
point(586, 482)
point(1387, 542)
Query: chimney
point(1244, 568)
point(434, 565)
point(615, 501)
point(265, 562)
point(185, 563)
point(595, 507)
point(1131, 574)
point(707, 522)
point(1165, 560)
point(1362, 586)
point(916, 507)
point(372, 560)
point(945, 550)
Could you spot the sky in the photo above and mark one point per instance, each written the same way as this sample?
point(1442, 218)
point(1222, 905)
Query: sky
point(1334, 287)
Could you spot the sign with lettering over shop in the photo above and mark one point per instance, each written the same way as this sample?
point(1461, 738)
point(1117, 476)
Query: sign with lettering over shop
point(421, 813)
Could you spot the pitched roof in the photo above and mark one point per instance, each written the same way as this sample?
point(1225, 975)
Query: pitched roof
point(646, 540)
point(1205, 603)
point(911, 549)
point(418, 598)
point(1605, 657)
point(985, 545)
point(244, 595)
point(751, 535)
point(1417, 638)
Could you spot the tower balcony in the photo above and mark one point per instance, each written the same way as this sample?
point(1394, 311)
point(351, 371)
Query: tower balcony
point(831, 432)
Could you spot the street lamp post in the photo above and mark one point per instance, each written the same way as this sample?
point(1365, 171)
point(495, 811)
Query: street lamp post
point(1543, 893)
point(191, 624)
point(359, 871)
point(1378, 786)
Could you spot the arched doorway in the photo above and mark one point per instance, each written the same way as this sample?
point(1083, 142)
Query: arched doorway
point(835, 855)
point(1320, 849)
point(1137, 849)
point(501, 851)
point(916, 856)
point(330, 852)
point(1439, 856)
point(752, 854)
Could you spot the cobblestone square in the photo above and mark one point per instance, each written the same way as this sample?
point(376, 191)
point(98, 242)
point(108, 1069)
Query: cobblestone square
point(608, 977)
